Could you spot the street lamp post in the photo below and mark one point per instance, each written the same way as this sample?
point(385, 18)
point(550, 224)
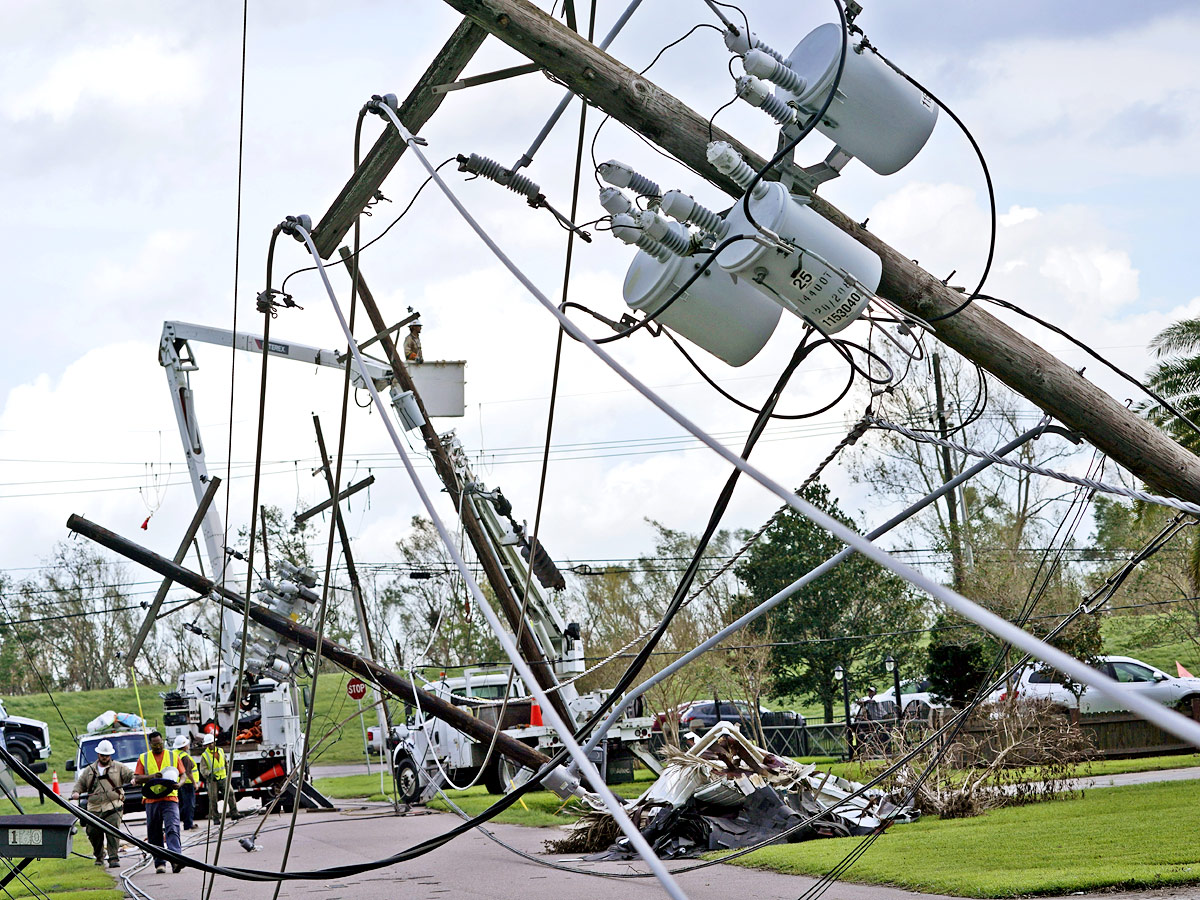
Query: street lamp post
point(839, 674)
point(890, 665)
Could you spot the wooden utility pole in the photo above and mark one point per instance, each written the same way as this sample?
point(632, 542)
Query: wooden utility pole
point(1020, 363)
point(947, 474)
point(430, 703)
point(382, 713)
point(418, 106)
point(531, 651)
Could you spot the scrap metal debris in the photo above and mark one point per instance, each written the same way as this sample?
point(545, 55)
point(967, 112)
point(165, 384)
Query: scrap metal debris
point(724, 793)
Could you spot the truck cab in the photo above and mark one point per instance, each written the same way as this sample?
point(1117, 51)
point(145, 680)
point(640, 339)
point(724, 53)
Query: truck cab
point(27, 739)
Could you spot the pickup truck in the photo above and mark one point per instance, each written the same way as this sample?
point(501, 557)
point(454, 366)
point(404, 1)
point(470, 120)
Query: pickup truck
point(27, 739)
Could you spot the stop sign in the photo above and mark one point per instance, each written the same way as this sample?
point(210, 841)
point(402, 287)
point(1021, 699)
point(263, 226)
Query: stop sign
point(356, 689)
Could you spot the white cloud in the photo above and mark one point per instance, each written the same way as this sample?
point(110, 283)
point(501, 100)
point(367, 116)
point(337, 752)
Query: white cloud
point(137, 73)
point(1017, 214)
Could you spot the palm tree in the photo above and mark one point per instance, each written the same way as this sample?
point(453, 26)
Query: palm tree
point(1176, 378)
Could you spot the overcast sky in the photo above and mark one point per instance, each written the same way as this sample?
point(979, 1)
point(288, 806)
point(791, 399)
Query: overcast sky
point(118, 169)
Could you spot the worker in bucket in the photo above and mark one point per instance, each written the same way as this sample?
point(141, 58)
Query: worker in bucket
point(214, 770)
point(187, 787)
point(412, 343)
point(104, 783)
point(158, 771)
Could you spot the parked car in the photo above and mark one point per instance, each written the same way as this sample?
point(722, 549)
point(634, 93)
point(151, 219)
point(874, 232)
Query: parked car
point(660, 718)
point(919, 703)
point(703, 714)
point(1039, 682)
point(27, 739)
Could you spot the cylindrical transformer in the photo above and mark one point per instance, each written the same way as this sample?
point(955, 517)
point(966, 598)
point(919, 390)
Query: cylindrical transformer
point(728, 318)
point(876, 115)
point(810, 281)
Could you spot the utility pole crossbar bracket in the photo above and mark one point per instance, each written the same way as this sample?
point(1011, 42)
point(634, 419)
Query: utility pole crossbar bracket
point(475, 80)
point(388, 331)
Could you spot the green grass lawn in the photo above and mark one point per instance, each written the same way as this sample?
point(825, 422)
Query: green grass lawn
point(74, 878)
point(1144, 835)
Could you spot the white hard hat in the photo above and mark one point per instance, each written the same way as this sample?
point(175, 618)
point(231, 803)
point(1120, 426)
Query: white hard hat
point(415, 323)
point(181, 742)
point(206, 739)
point(105, 748)
point(170, 773)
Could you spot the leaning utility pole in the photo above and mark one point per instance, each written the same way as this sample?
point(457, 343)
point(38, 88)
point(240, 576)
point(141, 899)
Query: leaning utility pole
point(531, 651)
point(1020, 363)
point(956, 556)
point(433, 705)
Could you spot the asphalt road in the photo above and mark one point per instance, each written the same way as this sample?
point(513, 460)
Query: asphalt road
point(470, 867)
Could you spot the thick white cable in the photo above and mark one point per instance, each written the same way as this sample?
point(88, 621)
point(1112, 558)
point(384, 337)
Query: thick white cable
point(1168, 720)
point(565, 734)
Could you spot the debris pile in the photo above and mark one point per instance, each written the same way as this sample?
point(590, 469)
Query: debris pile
point(725, 793)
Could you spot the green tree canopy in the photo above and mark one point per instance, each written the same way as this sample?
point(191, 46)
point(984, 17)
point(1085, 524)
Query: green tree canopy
point(1176, 376)
point(850, 617)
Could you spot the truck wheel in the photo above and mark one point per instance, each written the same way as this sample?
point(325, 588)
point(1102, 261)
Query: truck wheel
point(493, 777)
point(408, 780)
point(22, 752)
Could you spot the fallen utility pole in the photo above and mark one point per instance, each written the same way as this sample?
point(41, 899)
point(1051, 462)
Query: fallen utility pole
point(305, 637)
point(531, 651)
point(1020, 363)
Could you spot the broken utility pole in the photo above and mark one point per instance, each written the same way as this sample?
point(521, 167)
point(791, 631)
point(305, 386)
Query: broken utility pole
point(1020, 363)
point(430, 703)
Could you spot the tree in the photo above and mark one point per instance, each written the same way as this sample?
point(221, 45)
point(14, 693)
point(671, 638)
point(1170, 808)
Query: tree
point(618, 604)
point(1176, 377)
point(853, 616)
point(87, 616)
point(428, 613)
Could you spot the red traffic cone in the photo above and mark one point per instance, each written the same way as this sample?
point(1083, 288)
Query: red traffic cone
point(54, 784)
point(535, 715)
point(269, 775)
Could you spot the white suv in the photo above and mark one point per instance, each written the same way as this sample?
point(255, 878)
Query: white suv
point(1038, 682)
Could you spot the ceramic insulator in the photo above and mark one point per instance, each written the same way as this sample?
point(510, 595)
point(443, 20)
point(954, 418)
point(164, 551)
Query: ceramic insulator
point(672, 235)
point(762, 65)
point(618, 174)
point(756, 93)
point(681, 206)
point(626, 228)
point(614, 201)
point(737, 43)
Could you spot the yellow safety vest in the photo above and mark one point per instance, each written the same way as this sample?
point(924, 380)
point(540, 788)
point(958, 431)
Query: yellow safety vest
point(151, 767)
point(216, 762)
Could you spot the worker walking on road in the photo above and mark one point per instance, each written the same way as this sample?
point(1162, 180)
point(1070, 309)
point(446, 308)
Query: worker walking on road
point(412, 343)
point(158, 771)
point(104, 783)
point(216, 776)
point(189, 780)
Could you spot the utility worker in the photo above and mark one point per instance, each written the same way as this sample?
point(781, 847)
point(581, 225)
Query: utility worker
point(158, 771)
point(104, 783)
point(412, 343)
point(188, 784)
point(216, 776)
